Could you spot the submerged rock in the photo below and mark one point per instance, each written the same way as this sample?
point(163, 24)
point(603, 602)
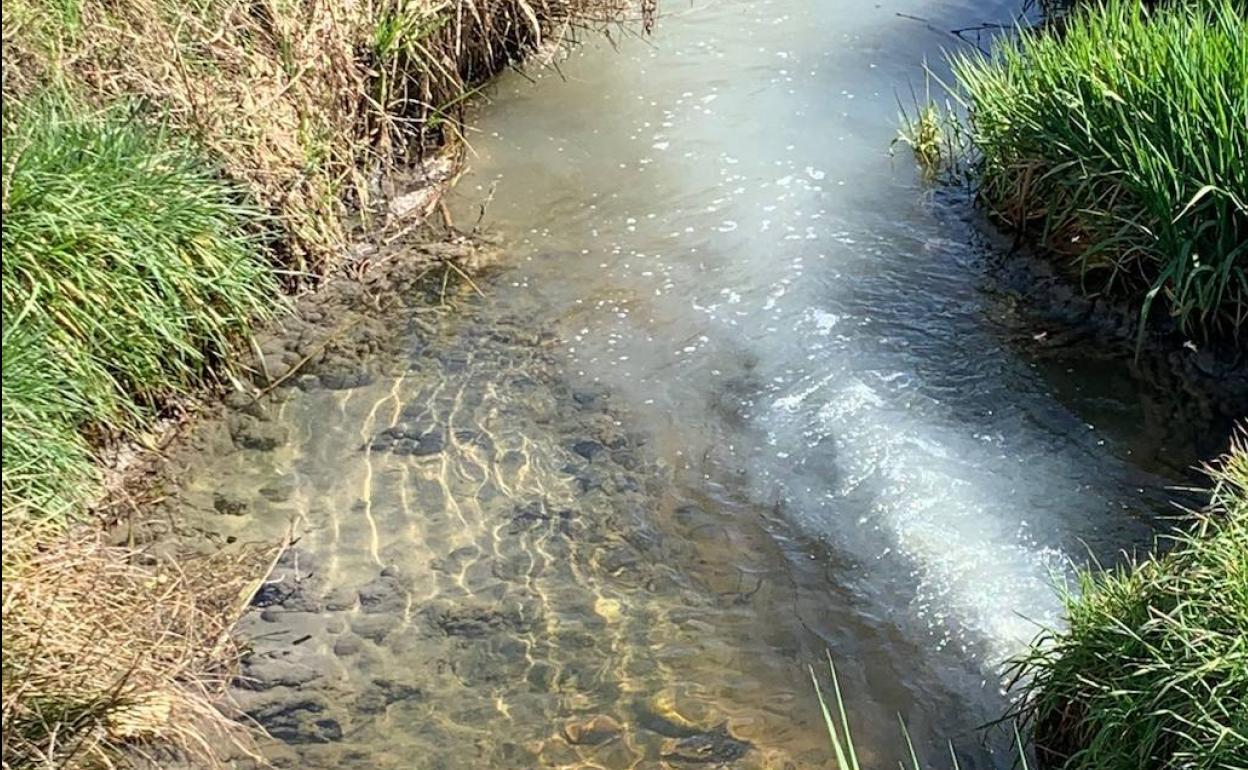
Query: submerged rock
point(341, 598)
point(588, 449)
point(383, 594)
point(229, 504)
point(374, 627)
point(593, 731)
point(714, 747)
point(347, 644)
point(251, 433)
point(246, 403)
point(385, 692)
point(409, 440)
point(268, 671)
point(294, 717)
point(278, 490)
point(475, 622)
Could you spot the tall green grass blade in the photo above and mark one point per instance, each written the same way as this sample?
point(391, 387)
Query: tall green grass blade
point(129, 266)
point(840, 707)
point(838, 750)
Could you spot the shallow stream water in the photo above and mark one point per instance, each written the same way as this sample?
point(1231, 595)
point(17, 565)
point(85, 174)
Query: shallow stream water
point(741, 392)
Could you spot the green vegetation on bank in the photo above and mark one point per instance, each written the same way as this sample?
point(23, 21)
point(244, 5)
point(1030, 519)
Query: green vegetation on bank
point(129, 264)
point(304, 104)
point(1119, 139)
point(1152, 670)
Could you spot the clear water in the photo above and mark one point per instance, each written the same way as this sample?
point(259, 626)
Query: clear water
point(819, 428)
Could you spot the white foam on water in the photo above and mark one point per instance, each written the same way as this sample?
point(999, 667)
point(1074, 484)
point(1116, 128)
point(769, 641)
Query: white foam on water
point(945, 509)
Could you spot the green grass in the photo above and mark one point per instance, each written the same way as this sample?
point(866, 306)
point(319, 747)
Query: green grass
point(129, 265)
point(836, 722)
point(1123, 140)
point(1152, 671)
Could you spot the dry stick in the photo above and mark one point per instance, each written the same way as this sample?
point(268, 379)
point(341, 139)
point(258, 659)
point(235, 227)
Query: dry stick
point(464, 275)
point(489, 198)
point(264, 365)
point(300, 363)
point(446, 279)
point(186, 82)
point(252, 588)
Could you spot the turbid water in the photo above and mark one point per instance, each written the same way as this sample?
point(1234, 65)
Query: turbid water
point(740, 392)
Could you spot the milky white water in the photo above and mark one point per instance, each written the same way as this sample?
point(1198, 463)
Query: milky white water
point(715, 223)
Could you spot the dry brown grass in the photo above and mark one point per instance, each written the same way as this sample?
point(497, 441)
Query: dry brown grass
point(303, 100)
point(107, 647)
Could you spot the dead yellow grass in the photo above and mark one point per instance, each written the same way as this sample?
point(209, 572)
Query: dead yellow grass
point(305, 101)
point(107, 646)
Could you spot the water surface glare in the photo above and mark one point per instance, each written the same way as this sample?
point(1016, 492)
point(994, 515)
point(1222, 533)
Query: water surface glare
point(740, 393)
point(716, 229)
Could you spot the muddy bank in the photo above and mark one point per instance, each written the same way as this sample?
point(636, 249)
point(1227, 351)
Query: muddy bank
point(1043, 309)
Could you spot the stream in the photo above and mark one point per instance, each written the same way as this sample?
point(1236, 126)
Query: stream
point(741, 393)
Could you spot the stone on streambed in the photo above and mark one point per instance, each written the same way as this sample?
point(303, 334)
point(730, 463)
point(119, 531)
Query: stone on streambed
point(283, 669)
point(593, 731)
point(406, 439)
point(456, 561)
point(385, 692)
point(588, 449)
point(374, 627)
point(347, 645)
point(713, 747)
point(476, 622)
point(229, 504)
point(341, 372)
point(341, 598)
point(279, 490)
point(295, 716)
point(293, 587)
point(244, 402)
point(383, 594)
point(260, 435)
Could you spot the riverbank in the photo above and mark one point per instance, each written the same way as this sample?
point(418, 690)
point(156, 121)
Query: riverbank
point(1115, 141)
point(169, 174)
point(1151, 670)
point(1064, 146)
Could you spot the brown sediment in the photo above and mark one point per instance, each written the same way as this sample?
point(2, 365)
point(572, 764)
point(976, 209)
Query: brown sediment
point(1201, 382)
point(1045, 309)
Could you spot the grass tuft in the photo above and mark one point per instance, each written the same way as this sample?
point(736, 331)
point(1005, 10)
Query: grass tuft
point(1119, 136)
point(1152, 671)
point(129, 265)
